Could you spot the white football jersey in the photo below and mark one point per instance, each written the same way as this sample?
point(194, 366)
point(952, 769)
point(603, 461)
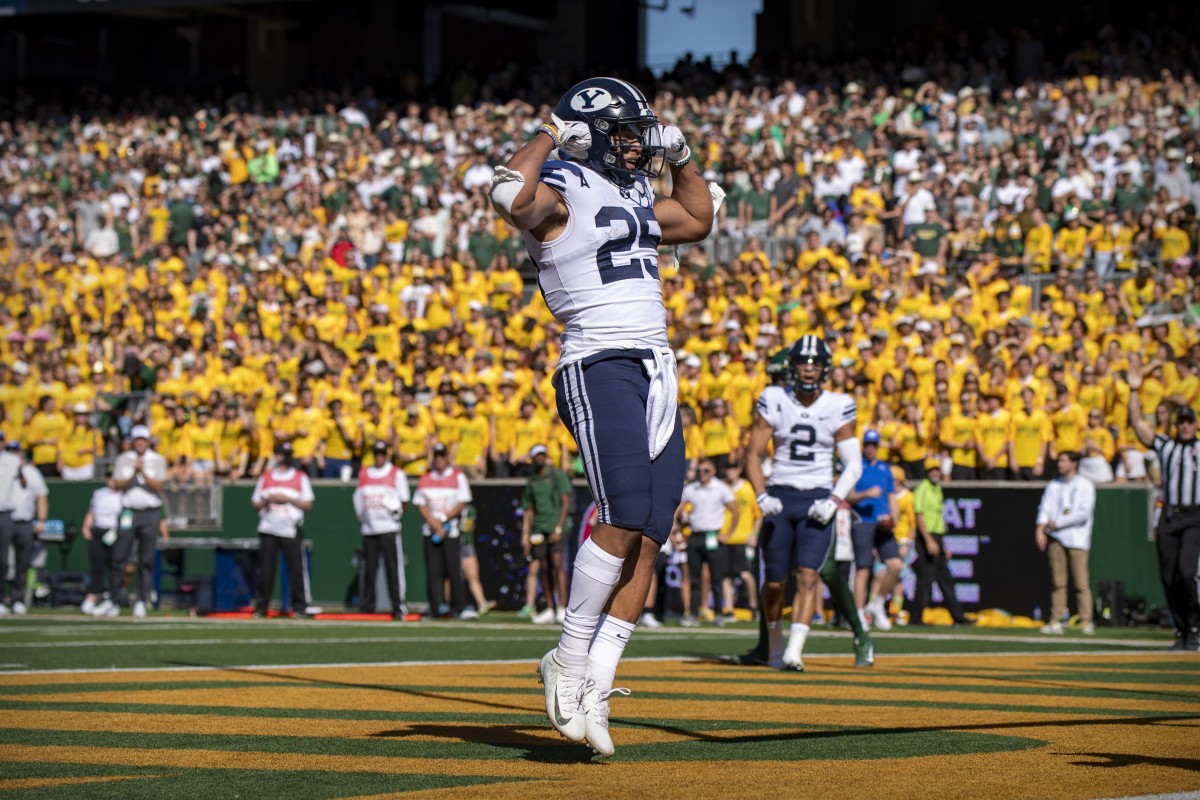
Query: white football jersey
point(600, 275)
point(804, 435)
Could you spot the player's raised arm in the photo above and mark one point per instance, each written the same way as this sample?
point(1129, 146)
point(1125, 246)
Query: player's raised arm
point(517, 193)
point(518, 196)
point(687, 215)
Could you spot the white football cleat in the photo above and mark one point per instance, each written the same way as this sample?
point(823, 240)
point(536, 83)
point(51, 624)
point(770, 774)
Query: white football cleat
point(560, 614)
point(648, 620)
point(544, 617)
point(595, 714)
point(564, 698)
point(19, 609)
point(792, 660)
point(4, 612)
point(1053, 628)
point(88, 606)
point(879, 615)
point(139, 610)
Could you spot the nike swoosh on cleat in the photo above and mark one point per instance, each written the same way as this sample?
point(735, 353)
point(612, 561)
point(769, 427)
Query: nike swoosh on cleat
point(559, 720)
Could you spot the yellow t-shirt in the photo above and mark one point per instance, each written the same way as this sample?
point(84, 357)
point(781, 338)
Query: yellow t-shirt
point(720, 436)
point(203, 440)
point(992, 433)
point(1029, 433)
point(45, 432)
point(80, 446)
point(961, 429)
point(1069, 424)
point(472, 436)
point(748, 513)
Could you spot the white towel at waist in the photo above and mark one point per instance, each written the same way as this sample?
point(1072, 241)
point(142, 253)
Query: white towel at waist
point(662, 399)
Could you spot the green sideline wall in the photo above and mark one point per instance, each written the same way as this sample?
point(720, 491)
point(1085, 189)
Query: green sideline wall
point(1121, 548)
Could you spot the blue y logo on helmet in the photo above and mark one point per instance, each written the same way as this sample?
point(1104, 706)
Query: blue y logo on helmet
point(591, 99)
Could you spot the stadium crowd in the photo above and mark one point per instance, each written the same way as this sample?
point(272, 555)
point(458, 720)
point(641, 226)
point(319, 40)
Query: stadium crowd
point(985, 256)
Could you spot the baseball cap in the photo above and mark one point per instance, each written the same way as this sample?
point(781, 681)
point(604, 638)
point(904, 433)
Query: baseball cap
point(538, 450)
point(1185, 413)
point(932, 464)
point(81, 408)
point(439, 449)
point(380, 447)
point(283, 449)
point(871, 436)
point(139, 432)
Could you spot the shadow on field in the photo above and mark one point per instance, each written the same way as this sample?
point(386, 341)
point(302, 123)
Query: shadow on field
point(535, 748)
point(531, 740)
point(353, 685)
point(1132, 760)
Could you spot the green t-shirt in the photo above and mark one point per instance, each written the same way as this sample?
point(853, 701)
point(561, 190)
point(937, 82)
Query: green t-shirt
point(928, 238)
point(182, 217)
point(484, 247)
point(544, 496)
point(928, 502)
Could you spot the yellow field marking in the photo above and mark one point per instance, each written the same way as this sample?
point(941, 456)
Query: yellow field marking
point(1054, 772)
point(15, 784)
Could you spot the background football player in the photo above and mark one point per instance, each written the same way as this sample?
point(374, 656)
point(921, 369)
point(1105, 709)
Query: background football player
point(806, 426)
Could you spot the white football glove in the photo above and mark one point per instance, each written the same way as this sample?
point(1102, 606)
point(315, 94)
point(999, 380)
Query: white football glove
point(675, 146)
point(822, 511)
point(769, 506)
point(571, 138)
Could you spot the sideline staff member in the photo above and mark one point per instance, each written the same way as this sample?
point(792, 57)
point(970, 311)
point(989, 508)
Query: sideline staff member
point(1064, 533)
point(1178, 535)
point(27, 497)
point(379, 504)
point(140, 474)
point(281, 497)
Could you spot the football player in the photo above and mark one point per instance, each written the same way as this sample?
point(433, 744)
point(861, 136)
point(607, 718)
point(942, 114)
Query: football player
point(593, 225)
point(806, 425)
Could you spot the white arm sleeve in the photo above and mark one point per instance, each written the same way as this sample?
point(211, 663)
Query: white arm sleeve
point(850, 453)
point(506, 185)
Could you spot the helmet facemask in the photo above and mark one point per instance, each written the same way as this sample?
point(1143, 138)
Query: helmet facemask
point(806, 386)
point(627, 135)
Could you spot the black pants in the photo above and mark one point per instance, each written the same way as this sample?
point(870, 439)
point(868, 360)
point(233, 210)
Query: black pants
point(697, 554)
point(1026, 474)
point(913, 470)
point(20, 536)
point(1178, 553)
point(143, 534)
point(100, 558)
point(442, 561)
point(993, 474)
point(387, 547)
point(961, 473)
point(269, 548)
point(928, 569)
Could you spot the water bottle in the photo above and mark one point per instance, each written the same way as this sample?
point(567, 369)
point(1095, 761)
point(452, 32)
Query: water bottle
point(1037, 613)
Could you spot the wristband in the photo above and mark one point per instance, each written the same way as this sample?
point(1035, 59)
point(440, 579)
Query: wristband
point(760, 497)
point(687, 157)
point(551, 130)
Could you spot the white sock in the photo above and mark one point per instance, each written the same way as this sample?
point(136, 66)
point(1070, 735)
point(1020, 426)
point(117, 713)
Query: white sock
point(611, 637)
point(775, 638)
point(796, 637)
point(596, 573)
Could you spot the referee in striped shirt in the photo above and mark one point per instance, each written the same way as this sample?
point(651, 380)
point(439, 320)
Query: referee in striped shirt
point(1179, 527)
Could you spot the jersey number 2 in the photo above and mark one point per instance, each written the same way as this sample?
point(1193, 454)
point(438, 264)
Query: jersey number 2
point(805, 437)
point(638, 224)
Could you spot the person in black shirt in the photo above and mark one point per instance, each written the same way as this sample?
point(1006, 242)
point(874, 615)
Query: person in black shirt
point(1178, 534)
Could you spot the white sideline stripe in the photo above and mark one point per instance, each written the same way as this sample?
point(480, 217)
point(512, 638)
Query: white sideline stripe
point(1185, 658)
point(689, 633)
point(1172, 796)
point(305, 642)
